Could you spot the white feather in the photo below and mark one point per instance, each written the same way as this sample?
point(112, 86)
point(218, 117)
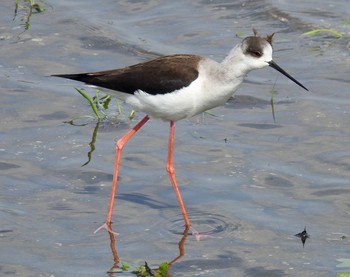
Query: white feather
point(215, 84)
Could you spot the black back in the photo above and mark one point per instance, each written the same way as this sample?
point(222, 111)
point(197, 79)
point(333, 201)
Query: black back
point(158, 76)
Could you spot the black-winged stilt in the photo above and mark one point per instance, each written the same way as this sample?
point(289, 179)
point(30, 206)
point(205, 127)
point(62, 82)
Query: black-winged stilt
point(177, 87)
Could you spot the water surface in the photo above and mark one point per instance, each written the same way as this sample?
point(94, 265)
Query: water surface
point(252, 181)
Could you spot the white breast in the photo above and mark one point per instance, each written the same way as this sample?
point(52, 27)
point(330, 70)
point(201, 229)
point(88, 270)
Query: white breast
point(209, 90)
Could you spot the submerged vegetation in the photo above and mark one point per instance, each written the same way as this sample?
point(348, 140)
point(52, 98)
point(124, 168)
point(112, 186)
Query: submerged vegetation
point(99, 104)
point(30, 8)
point(330, 32)
point(333, 34)
point(272, 101)
point(142, 271)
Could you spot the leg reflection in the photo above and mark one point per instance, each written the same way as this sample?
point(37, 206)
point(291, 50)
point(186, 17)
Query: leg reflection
point(118, 266)
point(112, 245)
point(181, 246)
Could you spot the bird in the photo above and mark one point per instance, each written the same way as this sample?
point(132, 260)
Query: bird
point(303, 236)
point(176, 87)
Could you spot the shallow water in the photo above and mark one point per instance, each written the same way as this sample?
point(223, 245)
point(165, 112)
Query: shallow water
point(252, 182)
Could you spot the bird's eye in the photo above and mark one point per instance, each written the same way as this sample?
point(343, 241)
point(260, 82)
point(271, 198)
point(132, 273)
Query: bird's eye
point(256, 54)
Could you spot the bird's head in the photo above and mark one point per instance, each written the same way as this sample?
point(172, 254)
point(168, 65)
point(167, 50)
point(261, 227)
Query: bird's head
point(258, 54)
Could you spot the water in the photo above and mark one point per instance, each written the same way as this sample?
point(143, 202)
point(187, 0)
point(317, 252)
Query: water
point(251, 182)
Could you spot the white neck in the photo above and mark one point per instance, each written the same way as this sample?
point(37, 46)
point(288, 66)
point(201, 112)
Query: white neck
point(234, 64)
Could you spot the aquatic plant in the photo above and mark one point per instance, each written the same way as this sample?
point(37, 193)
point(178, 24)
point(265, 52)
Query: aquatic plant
point(331, 32)
point(32, 9)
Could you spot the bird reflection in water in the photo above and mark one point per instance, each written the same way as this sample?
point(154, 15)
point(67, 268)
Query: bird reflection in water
point(117, 266)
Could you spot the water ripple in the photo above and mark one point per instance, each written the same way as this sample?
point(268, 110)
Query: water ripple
point(205, 223)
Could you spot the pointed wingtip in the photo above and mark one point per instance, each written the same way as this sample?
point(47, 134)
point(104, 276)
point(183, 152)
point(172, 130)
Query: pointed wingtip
point(76, 77)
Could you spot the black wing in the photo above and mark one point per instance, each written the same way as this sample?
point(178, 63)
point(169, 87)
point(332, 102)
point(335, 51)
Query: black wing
point(158, 76)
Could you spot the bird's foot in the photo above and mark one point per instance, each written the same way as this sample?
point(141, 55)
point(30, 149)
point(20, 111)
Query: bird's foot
point(200, 235)
point(106, 226)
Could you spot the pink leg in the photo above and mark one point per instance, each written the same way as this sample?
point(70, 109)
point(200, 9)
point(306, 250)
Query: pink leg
point(171, 173)
point(118, 149)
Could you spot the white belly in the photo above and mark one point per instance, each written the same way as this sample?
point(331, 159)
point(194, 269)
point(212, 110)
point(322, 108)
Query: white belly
point(186, 102)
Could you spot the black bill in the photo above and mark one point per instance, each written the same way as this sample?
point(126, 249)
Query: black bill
point(275, 66)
